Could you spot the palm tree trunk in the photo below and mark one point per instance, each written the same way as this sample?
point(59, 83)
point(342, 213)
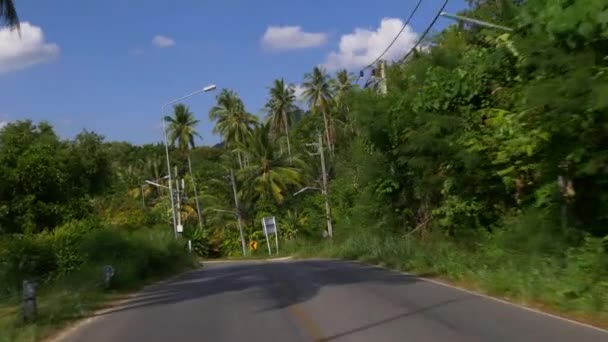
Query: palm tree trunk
point(240, 159)
point(329, 145)
point(287, 135)
point(198, 208)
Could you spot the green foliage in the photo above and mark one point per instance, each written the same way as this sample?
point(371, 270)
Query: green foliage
point(79, 246)
point(201, 241)
point(68, 265)
point(485, 162)
point(47, 181)
point(269, 175)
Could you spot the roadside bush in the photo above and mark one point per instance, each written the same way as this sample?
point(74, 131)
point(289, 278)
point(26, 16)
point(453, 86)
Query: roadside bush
point(77, 251)
point(26, 257)
point(574, 279)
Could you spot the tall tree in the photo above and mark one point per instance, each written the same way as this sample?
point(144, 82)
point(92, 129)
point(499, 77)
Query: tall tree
point(342, 84)
point(182, 131)
point(280, 107)
point(318, 94)
point(233, 121)
point(8, 13)
point(269, 174)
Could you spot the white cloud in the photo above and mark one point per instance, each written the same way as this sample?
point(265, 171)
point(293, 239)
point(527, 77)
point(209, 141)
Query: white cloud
point(18, 53)
point(363, 46)
point(299, 92)
point(3, 123)
point(163, 41)
point(290, 38)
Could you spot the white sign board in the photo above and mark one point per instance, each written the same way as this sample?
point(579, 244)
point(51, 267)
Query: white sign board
point(270, 227)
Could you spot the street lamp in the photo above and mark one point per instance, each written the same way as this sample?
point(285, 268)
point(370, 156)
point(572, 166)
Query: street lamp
point(162, 119)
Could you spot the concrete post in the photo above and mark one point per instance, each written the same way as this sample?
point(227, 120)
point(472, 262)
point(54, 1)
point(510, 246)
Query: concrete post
point(30, 308)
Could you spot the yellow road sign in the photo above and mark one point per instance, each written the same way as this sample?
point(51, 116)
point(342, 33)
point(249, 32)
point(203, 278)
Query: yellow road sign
point(253, 245)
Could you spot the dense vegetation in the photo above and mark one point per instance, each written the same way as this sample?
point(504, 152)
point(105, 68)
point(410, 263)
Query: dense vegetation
point(485, 162)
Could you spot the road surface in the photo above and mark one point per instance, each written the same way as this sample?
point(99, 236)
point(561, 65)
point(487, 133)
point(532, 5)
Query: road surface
point(318, 300)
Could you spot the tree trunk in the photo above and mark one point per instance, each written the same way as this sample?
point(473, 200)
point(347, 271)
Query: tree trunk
point(287, 135)
point(240, 159)
point(239, 218)
point(327, 131)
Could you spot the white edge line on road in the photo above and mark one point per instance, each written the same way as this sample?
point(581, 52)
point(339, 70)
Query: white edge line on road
point(441, 283)
point(244, 261)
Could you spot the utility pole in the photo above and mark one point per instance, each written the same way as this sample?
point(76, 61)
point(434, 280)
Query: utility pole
point(324, 191)
point(143, 197)
point(238, 211)
point(179, 206)
point(173, 214)
point(382, 83)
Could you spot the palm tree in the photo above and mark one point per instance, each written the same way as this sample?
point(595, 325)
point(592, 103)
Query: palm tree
point(318, 94)
point(341, 85)
point(233, 122)
point(182, 130)
point(8, 13)
point(269, 174)
point(280, 108)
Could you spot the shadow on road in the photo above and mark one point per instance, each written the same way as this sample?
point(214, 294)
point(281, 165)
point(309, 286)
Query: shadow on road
point(281, 283)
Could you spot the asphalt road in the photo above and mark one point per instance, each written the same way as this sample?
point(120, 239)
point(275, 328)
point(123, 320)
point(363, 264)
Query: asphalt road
point(318, 300)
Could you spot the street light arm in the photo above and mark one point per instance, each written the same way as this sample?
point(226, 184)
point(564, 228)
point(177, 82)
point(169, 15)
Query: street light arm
point(307, 188)
point(204, 90)
point(476, 21)
point(156, 184)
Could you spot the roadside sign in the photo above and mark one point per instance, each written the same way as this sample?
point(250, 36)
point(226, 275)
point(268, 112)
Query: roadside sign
point(253, 245)
point(270, 227)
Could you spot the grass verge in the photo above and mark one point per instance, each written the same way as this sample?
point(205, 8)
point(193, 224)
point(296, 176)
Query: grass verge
point(572, 285)
point(70, 292)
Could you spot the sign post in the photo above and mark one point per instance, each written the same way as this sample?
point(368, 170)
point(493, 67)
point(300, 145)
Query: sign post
point(270, 227)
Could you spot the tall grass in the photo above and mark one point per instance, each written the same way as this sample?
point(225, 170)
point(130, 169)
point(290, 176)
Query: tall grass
point(575, 281)
point(68, 265)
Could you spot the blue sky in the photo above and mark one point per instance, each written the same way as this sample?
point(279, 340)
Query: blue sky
point(109, 66)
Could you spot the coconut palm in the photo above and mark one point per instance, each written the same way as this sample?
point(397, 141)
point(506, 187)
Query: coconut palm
point(233, 122)
point(269, 174)
point(280, 107)
point(342, 84)
point(182, 131)
point(318, 94)
point(182, 128)
point(8, 13)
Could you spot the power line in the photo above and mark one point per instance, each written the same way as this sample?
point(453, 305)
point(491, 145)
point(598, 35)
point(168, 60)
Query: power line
point(396, 37)
point(425, 32)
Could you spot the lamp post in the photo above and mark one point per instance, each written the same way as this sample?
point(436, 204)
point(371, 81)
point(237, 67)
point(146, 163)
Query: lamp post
point(166, 140)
